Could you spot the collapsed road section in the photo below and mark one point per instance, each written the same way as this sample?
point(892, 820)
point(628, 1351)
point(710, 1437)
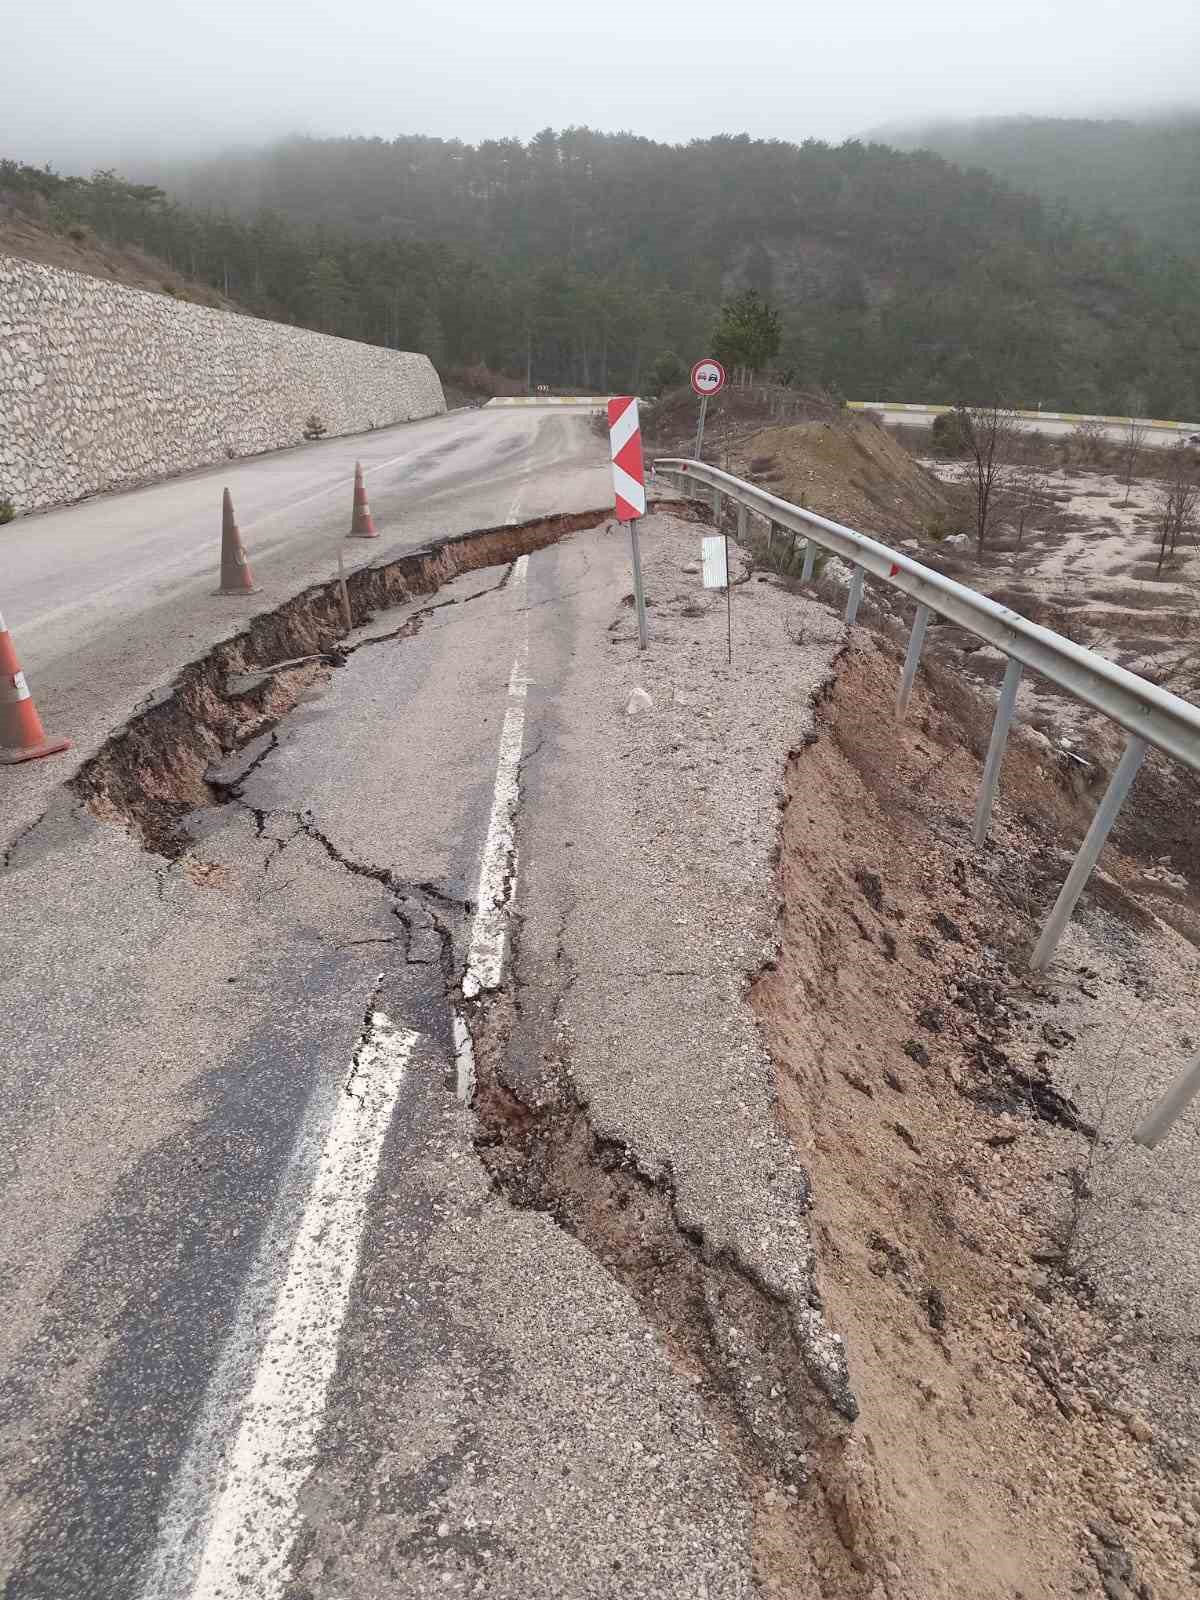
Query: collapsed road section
point(659, 1310)
point(152, 771)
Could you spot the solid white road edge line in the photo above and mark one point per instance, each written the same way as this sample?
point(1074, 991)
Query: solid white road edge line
point(251, 1508)
point(498, 869)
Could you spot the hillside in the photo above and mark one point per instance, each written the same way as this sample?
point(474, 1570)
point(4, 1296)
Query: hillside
point(28, 229)
point(1144, 173)
point(899, 272)
point(580, 258)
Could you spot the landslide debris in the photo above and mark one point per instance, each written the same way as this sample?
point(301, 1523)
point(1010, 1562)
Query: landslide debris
point(1001, 1446)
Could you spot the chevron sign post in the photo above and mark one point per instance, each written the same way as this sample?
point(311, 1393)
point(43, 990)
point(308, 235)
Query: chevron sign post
point(629, 486)
point(625, 439)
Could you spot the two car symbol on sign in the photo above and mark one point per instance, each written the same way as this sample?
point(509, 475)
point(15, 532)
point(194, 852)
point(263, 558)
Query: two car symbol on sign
point(708, 377)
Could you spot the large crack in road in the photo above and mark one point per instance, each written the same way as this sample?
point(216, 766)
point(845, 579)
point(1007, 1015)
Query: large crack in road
point(152, 772)
point(222, 769)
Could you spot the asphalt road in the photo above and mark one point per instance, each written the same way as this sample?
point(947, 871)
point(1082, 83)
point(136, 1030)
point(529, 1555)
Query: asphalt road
point(107, 599)
point(917, 417)
point(270, 1331)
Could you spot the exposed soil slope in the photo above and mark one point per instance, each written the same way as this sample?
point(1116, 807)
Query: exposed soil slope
point(24, 235)
point(997, 1453)
point(846, 468)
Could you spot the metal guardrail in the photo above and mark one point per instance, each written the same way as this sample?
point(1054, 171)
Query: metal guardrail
point(1150, 715)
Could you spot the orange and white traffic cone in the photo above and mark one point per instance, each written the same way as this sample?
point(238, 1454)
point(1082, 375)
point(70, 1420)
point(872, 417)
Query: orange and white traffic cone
point(22, 737)
point(361, 524)
point(236, 576)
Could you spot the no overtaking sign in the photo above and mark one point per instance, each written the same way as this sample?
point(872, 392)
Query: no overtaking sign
point(708, 377)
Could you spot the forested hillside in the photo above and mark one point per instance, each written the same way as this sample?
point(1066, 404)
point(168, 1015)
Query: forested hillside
point(580, 258)
point(1144, 173)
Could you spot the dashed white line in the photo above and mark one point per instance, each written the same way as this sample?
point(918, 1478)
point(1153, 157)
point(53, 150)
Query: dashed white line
point(232, 1537)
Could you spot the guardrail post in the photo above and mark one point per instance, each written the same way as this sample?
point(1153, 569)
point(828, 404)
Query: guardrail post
point(909, 676)
point(770, 533)
point(855, 595)
point(995, 756)
point(741, 524)
point(1089, 850)
point(810, 556)
point(1157, 1122)
point(716, 505)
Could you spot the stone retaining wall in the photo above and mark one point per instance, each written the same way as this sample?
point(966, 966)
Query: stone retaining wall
point(103, 387)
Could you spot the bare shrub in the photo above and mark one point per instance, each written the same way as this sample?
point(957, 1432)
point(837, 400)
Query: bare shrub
point(1133, 442)
point(951, 432)
point(1087, 443)
point(1176, 502)
point(1028, 496)
point(993, 433)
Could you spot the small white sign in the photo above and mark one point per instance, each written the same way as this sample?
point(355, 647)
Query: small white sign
point(716, 574)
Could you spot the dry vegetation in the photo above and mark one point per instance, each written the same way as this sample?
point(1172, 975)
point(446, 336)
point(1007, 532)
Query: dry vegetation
point(25, 232)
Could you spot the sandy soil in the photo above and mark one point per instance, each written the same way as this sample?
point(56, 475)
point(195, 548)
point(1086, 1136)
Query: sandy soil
point(1002, 1448)
point(1089, 569)
point(847, 469)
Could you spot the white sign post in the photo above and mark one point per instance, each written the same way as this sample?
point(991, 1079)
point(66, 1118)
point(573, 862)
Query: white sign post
point(708, 377)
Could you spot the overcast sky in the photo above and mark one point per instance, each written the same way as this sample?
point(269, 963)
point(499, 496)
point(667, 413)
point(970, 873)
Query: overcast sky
point(97, 83)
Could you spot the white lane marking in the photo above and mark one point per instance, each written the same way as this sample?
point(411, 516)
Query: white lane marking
point(464, 1060)
point(498, 869)
point(515, 509)
point(251, 1506)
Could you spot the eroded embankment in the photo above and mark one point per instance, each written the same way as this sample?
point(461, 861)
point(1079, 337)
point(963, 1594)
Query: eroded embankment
point(993, 1454)
point(151, 772)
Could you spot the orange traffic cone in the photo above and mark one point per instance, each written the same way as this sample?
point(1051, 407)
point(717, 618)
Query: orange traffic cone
point(361, 524)
point(22, 737)
point(236, 577)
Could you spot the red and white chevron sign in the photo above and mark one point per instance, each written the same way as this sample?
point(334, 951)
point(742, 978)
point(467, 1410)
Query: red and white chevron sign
point(625, 439)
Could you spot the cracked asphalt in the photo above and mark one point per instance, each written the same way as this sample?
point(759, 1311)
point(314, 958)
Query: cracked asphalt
point(107, 599)
point(503, 1419)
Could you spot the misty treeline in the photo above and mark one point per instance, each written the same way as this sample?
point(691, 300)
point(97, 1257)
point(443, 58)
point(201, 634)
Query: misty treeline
point(581, 258)
point(1119, 171)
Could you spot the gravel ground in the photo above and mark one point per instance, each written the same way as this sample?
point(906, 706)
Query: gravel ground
point(669, 849)
point(1128, 1003)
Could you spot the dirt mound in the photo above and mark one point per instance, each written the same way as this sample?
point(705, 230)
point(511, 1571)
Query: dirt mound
point(848, 469)
point(669, 425)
